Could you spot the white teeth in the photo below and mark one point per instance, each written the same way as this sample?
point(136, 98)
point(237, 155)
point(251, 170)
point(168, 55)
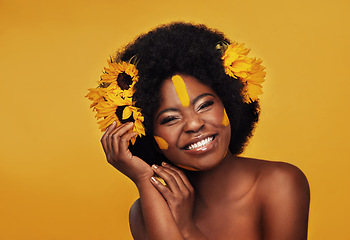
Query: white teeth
point(200, 143)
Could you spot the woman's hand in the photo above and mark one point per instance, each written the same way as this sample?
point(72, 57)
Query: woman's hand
point(115, 142)
point(179, 194)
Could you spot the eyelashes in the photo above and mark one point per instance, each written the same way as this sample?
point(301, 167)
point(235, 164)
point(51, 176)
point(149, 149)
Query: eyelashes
point(205, 105)
point(172, 119)
point(168, 119)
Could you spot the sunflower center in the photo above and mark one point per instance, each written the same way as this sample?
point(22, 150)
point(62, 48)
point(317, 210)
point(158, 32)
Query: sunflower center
point(124, 81)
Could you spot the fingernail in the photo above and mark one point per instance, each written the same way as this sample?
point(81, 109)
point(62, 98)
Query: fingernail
point(153, 179)
point(114, 122)
point(163, 163)
point(154, 166)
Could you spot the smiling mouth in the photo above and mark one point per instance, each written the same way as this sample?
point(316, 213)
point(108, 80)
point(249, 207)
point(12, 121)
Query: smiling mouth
point(199, 144)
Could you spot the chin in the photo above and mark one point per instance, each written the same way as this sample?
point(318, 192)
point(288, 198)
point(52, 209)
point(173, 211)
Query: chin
point(201, 163)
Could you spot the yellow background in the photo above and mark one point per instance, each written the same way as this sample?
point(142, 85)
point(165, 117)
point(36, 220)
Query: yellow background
point(54, 180)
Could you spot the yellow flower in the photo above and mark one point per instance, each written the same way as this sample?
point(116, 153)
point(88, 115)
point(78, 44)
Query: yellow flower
point(104, 123)
point(112, 99)
point(95, 95)
point(246, 69)
point(125, 70)
point(114, 89)
point(138, 126)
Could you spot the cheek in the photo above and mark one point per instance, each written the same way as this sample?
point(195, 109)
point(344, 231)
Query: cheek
point(166, 137)
point(161, 143)
point(168, 144)
point(218, 118)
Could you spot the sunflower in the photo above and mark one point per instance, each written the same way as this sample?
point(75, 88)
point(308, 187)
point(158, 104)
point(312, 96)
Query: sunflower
point(124, 73)
point(246, 69)
point(112, 99)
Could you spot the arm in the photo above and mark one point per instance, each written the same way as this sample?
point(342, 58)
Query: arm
point(157, 218)
point(285, 197)
point(179, 196)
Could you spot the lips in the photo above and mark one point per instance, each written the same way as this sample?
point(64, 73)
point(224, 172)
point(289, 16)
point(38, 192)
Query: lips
point(199, 142)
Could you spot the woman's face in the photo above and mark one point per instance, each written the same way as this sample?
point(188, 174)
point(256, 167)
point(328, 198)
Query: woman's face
point(191, 126)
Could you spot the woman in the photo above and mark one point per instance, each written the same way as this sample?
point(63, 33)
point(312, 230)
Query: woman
point(190, 97)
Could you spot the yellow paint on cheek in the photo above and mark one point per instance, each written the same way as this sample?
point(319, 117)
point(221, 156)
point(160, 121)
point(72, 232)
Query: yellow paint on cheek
point(161, 143)
point(187, 168)
point(225, 121)
point(181, 91)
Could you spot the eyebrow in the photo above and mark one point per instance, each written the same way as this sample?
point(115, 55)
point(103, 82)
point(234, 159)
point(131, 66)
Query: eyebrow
point(201, 96)
point(193, 102)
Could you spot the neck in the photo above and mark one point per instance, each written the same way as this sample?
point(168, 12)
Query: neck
point(209, 185)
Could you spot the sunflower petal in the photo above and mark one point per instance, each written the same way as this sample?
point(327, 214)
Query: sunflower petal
point(127, 112)
point(248, 70)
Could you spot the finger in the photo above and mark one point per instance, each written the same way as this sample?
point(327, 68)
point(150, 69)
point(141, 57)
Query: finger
point(114, 136)
point(104, 137)
point(124, 140)
point(183, 176)
point(169, 177)
point(166, 193)
point(124, 145)
point(182, 186)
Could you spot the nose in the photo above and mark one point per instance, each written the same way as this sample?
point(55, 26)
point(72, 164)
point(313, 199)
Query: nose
point(194, 123)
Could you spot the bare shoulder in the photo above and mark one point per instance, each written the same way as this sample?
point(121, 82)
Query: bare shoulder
point(284, 194)
point(137, 225)
point(280, 178)
point(274, 177)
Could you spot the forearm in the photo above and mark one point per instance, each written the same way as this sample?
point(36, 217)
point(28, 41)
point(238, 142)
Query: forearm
point(158, 219)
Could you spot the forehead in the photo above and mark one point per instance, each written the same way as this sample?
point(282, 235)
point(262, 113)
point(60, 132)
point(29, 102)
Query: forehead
point(173, 94)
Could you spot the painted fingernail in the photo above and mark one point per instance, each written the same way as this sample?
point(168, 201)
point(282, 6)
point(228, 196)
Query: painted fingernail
point(154, 166)
point(153, 179)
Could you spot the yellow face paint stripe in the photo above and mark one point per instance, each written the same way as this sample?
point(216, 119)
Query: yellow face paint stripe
point(225, 121)
point(161, 143)
point(181, 91)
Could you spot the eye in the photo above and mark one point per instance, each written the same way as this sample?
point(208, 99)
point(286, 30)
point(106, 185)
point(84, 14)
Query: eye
point(169, 119)
point(205, 105)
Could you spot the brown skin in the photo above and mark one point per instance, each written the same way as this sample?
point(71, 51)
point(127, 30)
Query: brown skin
point(229, 197)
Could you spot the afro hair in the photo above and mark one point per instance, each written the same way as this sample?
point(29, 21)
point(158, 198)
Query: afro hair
point(189, 49)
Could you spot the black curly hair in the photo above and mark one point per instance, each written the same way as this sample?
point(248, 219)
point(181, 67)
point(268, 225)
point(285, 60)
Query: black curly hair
point(189, 49)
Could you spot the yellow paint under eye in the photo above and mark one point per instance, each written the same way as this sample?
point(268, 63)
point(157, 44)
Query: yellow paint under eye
point(161, 143)
point(187, 168)
point(225, 121)
point(181, 91)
